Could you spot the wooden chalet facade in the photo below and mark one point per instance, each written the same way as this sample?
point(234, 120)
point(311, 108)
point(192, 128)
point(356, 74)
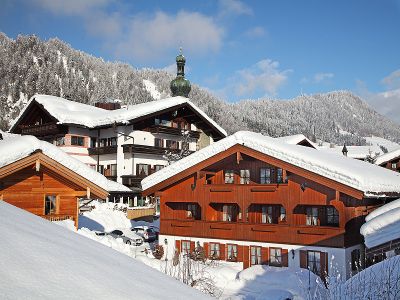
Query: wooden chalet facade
point(247, 206)
point(390, 160)
point(40, 184)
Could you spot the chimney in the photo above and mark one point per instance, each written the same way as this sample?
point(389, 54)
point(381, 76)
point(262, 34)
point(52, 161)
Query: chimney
point(108, 104)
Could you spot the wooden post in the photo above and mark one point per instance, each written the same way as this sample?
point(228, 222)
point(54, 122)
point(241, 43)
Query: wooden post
point(88, 192)
point(37, 165)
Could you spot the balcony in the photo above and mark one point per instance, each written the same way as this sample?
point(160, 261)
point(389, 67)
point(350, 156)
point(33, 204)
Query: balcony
point(245, 231)
point(102, 150)
point(53, 218)
point(148, 149)
point(132, 180)
point(40, 130)
point(173, 131)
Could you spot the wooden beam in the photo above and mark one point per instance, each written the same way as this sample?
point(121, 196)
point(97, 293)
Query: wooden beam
point(37, 165)
point(88, 192)
point(238, 157)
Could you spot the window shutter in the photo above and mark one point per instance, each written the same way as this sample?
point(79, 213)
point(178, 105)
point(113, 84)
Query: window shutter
point(191, 246)
point(205, 248)
point(264, 256)
point(178, 246)
point(285, 258)
point(246, 258)
point(239, 253)
point(222, 251)
point(324, 265)
point(303, 259)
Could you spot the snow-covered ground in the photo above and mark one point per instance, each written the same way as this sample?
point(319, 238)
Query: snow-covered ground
point(39, 260)
point(228, 278)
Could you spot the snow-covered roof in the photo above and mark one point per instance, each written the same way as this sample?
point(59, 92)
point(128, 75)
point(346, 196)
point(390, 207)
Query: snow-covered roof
point(295, 139)
point(71, 112)
point(368, 178)
point(42, 260)
point(357, 152)
point(17, 147)
point(382, 225)
point(384, 158)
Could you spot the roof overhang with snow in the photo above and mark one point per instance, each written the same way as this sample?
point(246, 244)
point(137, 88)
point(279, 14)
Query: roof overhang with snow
point(356, 178)
point(20, 150)
point(387, 157)
point(68, 112)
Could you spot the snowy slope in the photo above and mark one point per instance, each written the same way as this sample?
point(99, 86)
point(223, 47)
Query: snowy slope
point(40, 260)
point(360, 175)
point(16, 147)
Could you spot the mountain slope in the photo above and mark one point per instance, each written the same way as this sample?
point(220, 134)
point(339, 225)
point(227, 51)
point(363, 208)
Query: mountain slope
point(29, 65)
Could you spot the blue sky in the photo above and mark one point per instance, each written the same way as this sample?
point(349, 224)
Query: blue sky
point(236, 49)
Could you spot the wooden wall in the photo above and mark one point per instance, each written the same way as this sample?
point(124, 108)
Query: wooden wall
point(294, 195)
point(27, 188)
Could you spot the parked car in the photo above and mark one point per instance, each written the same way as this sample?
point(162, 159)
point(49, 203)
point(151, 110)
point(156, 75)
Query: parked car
point(147, 233)
point(129, 237)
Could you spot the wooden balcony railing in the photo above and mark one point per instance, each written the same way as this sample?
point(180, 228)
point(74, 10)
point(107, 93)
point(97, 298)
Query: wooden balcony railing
point(148, 149)
point(58, 217)
point(172, 131)
point(140, 212)
point(39, 130)
point(102, 150)
point(273, 233)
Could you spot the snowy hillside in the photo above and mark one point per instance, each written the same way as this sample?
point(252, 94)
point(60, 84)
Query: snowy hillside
point(40, 260)
point(29, 65)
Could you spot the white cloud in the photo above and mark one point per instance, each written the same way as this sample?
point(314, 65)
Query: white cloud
point(263, 77)
point(150, 37)
point(142, 37)
point(392, 81)
point(386, 103)
point(234, 7)
point(319, 77)
point(255, 32)
point(73, 7)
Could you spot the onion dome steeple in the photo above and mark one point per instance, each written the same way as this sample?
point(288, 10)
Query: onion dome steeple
point(180, 86)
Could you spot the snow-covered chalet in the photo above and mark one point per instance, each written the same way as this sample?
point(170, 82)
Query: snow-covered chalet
point(258, 200)
point(124, 144)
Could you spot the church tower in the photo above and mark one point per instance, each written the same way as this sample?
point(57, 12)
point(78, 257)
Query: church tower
point(180, 86)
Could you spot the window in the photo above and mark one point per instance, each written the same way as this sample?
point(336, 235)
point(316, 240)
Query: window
point(279, 175)
point(50, 204)
point(356, 260)
point(191, 210)
point(314, 262)
point(214, 251)
point(229, 176)
point(244, 176)
point(282, 215)
point(172, 144)
point(102, 142)
point(143, 170)
point(229, 213)
point(157, 121)
point(112, 141)
point(93, 142)
point(158, 143)
point(332, 216)
point(312, 216)
point(185, 247)
point(266, 216)
point(113, 169)
point(231, 252)
point(275, 256)
point(266, 175)
point(100, 169)
point(394, 166)
point(60, 141)
point(255, 255)
point(158, 167)
point(77, 140)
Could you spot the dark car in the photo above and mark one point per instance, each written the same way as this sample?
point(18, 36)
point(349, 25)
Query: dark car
point(147, 233)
